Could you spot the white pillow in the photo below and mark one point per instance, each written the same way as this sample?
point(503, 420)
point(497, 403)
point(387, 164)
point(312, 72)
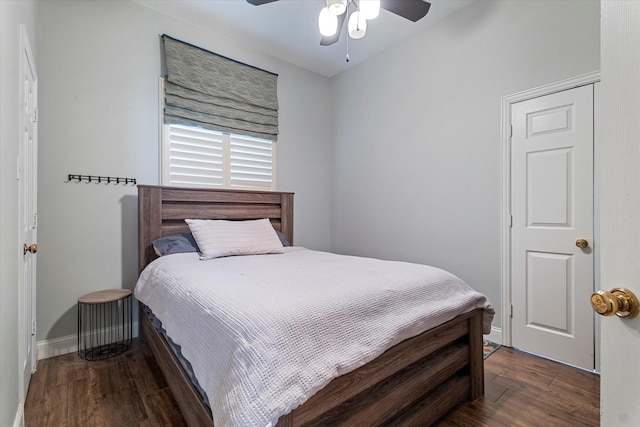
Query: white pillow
point(218, 238)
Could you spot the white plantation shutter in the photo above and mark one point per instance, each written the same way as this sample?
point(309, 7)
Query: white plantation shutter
point(251, 162)
point(196, 157)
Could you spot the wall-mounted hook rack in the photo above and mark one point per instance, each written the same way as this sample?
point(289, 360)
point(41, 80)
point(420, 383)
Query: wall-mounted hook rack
point(87, 179)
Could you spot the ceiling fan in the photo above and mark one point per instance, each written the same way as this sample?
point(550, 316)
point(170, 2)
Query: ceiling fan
point(332, 17)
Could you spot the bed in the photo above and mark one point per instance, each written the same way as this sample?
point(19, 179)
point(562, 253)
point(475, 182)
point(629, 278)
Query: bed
point(414, 382)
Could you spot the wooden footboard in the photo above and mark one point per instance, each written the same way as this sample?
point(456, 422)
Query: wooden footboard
point(413, 383)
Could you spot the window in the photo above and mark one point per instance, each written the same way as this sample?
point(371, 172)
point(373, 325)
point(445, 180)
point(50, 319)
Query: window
point(196, 157)
point(219, 120)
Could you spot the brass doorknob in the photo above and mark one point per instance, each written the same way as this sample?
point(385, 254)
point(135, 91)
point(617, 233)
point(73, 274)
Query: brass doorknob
point(33, 248)
point(582, 243)
point(619, 301)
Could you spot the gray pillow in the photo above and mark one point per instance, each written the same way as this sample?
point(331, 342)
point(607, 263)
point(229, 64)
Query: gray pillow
point(283, 239)
point(175, 244)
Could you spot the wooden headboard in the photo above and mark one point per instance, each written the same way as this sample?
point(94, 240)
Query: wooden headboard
point(162, 211)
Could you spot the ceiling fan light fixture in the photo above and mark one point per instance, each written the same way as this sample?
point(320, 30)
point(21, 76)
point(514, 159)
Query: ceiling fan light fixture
point(337, 7)
point(327, 22)
point(370, 9)
point(357, 25)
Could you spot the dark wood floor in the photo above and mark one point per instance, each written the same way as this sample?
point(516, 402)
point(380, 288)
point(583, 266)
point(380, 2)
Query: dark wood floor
point(129, 390)
point(126, 390)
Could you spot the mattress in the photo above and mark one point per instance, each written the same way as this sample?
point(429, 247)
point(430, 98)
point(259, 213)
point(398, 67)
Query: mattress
point(263, 333)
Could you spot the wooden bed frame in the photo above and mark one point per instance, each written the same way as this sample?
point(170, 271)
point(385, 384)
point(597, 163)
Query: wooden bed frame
point(413, 383)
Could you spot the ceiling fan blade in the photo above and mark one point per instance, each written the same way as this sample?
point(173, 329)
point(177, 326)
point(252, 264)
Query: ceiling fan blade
point(259, 2)
point(329, 40)
point(413, 10)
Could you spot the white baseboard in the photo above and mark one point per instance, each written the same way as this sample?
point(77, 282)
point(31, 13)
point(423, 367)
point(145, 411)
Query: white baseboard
point(64, 345)
point(57, 346)
point(19, 420)
point(495, 335)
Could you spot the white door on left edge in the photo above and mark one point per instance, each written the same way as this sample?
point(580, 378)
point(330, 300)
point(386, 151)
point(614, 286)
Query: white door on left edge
point(27, 178)
point(552, 208)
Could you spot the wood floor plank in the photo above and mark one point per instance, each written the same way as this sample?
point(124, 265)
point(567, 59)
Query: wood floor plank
point(568, 403)
point(50, 409)
point(145, 371)
point(121, 400)
point(84, 402)
point(583, 395)
point(515, 372)
point(481, 413)
point(536, 412)
point(163, 410)
point(521, 390)
point(493, 391)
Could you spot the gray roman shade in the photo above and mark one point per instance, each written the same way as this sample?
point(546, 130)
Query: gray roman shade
point(214, 92)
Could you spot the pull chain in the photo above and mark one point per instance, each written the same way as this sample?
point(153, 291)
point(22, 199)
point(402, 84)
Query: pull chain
point(347, 45)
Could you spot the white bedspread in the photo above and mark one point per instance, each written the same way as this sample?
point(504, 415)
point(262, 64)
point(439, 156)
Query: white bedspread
point(265, 332)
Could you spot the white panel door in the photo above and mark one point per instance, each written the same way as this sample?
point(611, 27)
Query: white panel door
point(27, 176)
point(552, 207)
point(619, 189)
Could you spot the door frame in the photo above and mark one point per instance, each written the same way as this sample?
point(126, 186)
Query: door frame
point(505, 184)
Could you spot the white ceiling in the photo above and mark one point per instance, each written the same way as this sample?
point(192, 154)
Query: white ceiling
point(288, 29)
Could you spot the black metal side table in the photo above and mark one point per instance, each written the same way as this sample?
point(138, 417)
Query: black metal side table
point(105, 325)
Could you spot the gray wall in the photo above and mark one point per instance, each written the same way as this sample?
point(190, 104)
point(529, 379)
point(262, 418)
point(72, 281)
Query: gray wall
point(12, 14)
point(416, 166)
point(99, 68)
point(409, 170)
